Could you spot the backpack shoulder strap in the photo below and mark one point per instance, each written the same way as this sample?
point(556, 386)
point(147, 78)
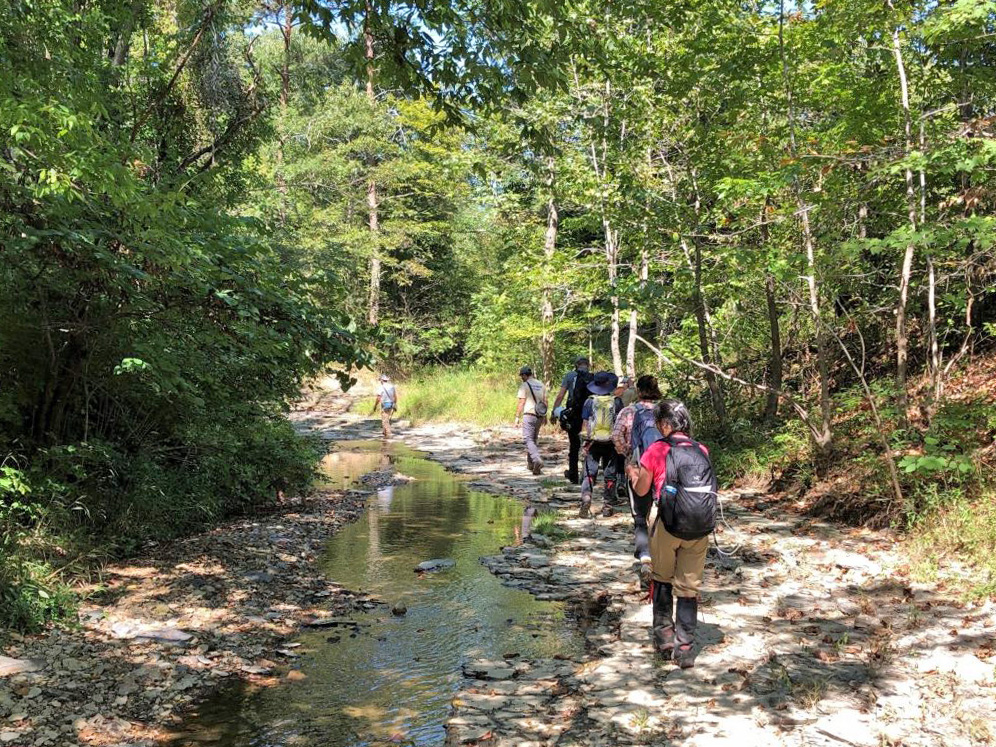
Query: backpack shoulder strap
point(529, 386)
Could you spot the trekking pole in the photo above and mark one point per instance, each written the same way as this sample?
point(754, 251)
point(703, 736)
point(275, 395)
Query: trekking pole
point(725, 523)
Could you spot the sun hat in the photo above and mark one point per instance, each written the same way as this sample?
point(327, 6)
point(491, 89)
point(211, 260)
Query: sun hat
point(581, 360)
point(604, 383)
point(385, 377)
point(525, 371)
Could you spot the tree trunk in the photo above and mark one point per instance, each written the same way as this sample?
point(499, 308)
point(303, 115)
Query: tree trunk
point(612, 258)
point(775, 354)
point(823, 434)
point(775, 336)
point(123, 45)
point(634, 329)
point(372, 204)
point(286, 29)
point(549, 247)
point(705, 344)
point(902, 336)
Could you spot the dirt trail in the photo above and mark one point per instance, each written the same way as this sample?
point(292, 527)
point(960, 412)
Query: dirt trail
point(812, 634)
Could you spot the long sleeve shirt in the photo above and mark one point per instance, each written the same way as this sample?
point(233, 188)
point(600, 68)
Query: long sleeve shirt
point(622, 431)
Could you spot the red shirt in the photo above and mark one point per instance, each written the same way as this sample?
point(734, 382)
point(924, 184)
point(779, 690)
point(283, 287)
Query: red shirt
point(655, 461)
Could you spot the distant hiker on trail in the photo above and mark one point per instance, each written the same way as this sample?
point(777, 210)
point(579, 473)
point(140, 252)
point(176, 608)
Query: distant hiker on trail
point(628, 394)
point(678, 471)
point(387, 398)
point(531, 412)
point(630, 444)
point(575, 386)
point(598, 415)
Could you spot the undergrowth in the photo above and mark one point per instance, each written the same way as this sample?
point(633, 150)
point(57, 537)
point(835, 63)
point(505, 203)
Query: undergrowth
point(465, 395)
point(67, 509)
point(547, 524)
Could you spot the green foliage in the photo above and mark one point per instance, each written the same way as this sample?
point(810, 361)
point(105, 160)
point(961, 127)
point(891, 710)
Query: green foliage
point(548, 524)
point(954, 526)
point(29, 595)
point(150, 331)
point(468, 395)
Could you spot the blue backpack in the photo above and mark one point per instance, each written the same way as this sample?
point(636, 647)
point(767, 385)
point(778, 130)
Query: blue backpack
point(644, 431)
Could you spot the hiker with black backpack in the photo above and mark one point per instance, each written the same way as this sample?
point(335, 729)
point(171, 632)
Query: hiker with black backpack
point(679, 473)
point(598, 416)
point(634, 431)
point(575, 386)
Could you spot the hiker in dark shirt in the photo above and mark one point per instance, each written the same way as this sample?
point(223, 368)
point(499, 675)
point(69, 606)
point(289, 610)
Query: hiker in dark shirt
point(574, 387)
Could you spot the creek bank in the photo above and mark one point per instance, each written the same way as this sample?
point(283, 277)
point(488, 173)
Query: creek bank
point(163, 629)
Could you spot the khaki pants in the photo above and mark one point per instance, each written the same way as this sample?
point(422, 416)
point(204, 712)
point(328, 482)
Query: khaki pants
point(385, 421)
point(677, 561)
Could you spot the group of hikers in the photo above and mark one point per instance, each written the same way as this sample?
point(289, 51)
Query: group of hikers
point(642, 445)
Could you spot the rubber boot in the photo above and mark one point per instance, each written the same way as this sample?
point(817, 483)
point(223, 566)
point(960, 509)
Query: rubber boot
point(688, 617)
point(663, 601)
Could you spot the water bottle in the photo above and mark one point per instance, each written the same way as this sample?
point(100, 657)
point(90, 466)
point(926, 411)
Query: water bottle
point(671, 491)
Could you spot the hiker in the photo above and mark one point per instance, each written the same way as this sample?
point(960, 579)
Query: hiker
point(630, 444)
point(574, 385)
point(678, 471)
point(387, 398)
point(531, 412)
point(625, 393)
point(598, 415)
point(628, 394)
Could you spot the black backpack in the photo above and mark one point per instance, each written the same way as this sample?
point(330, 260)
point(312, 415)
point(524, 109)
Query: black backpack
point(644, 431)
point(689, 498)
point(577, 397)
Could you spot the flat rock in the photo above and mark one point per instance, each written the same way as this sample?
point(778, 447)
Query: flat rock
point(164, 635)
point(10, 666)
point(436, 564)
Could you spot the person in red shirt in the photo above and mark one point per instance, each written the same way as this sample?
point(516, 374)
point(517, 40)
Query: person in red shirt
point(677, 563)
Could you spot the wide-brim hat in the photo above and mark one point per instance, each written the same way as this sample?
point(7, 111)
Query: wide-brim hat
point(604, 383)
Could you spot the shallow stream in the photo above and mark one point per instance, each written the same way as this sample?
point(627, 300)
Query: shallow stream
point(382, 678)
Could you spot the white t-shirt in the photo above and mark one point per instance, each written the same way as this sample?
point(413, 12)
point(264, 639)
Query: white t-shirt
point(538, 389)
point(388, 394)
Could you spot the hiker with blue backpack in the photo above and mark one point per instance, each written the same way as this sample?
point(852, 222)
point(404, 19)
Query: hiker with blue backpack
point(634, 431)
point(598, 416)
point(575, 387)
point(677, 471)
point(387, 400)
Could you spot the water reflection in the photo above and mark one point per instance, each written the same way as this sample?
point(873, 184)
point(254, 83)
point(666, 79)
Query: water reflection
point(385, 678)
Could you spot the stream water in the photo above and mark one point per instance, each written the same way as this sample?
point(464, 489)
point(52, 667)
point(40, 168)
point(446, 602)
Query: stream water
point(386, 679)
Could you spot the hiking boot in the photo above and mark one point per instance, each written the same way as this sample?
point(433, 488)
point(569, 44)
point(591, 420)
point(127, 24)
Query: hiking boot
point(572, 479)
point(585, 512)
point(529, 463)
point(663, 601)
point(688, 617)
point(607, 509)
point(645, 572)
point(684, 656)
point(536, 468)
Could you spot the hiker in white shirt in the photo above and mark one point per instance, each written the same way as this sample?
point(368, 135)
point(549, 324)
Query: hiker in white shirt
point(531, 412)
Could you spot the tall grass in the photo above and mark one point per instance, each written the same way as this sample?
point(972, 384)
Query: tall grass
point(961, 529)
point(464, 395)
